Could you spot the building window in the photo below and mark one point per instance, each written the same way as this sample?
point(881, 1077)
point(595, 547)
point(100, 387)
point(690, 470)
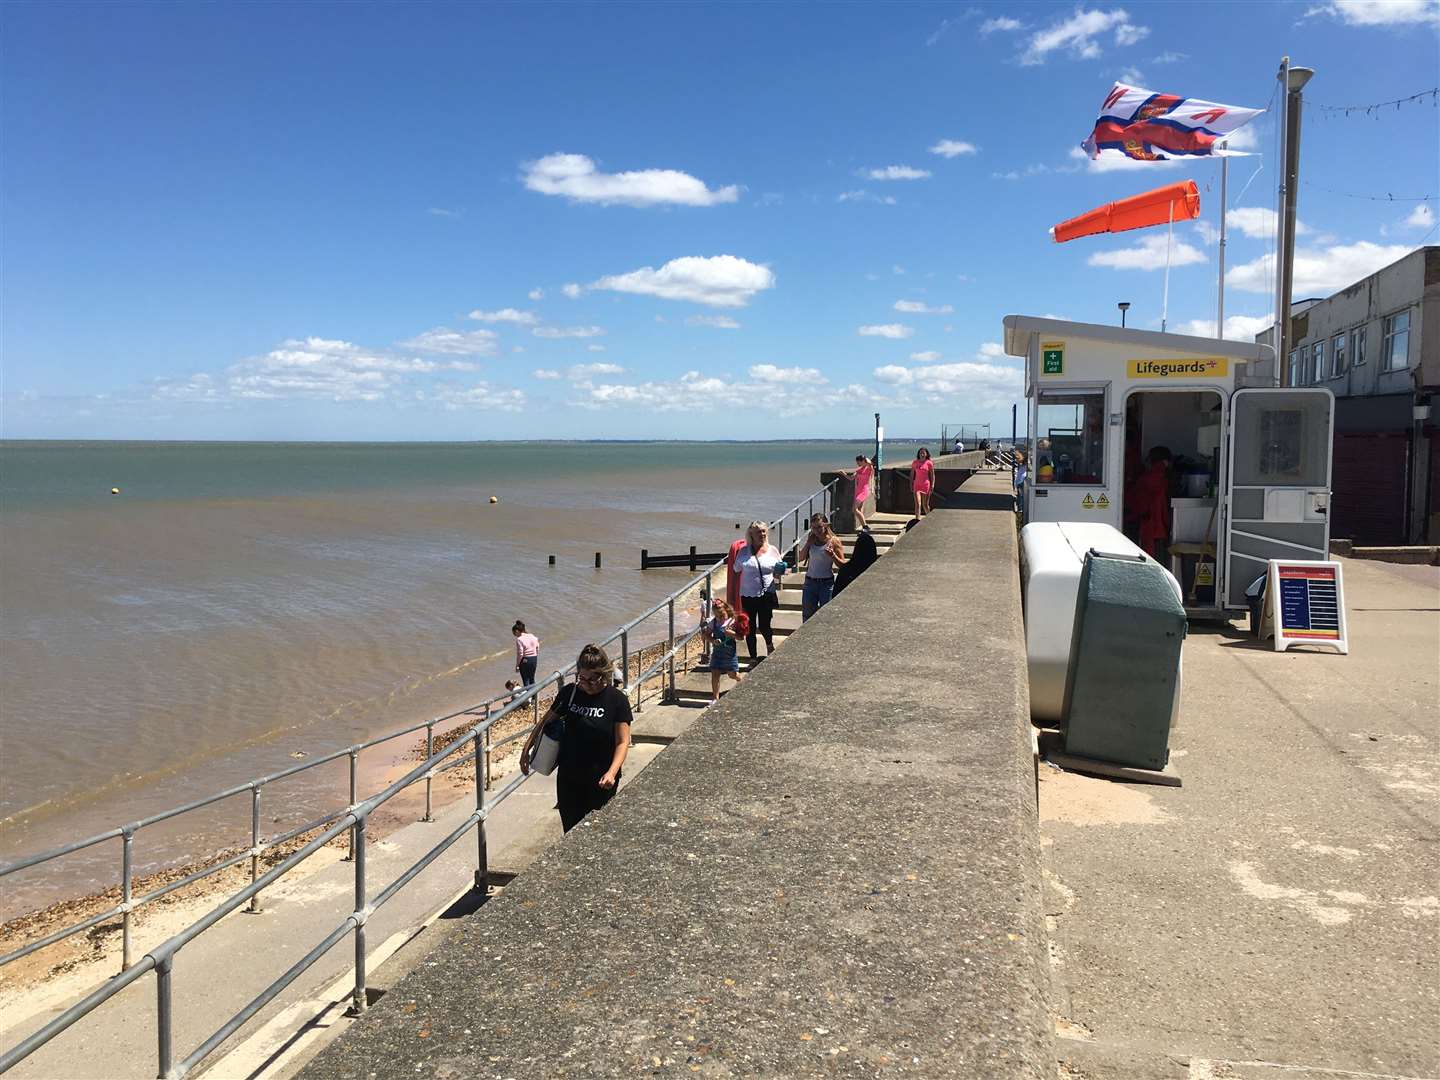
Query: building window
point(1317, 362)
point(1070, 443)
point(1339, 358)
point(1297, 358)
point(1357, 347)
point(1395, 349)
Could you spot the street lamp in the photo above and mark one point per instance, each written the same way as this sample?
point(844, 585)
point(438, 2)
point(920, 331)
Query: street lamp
point(1124, 306)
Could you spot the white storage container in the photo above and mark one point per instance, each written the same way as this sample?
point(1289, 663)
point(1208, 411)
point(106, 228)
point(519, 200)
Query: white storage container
point(1193, 521)
point(1052, 554)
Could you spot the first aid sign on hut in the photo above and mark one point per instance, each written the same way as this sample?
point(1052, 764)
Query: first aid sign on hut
point(1052, 358)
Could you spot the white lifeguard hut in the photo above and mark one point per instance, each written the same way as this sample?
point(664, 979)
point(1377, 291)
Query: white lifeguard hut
point(1251, 480)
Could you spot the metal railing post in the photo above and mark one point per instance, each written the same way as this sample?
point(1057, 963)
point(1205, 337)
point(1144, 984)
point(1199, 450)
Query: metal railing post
point(670, 648)
point(625, 657)
point(255, 845)
point(354, 758)
point(163, 1017)
point(126, 876)
point(357, 998)
point(482, 851)
point(487, 751)
point(429, 753)
point(797, 526)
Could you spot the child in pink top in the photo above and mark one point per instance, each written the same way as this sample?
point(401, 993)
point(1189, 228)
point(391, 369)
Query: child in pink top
point(527, 653)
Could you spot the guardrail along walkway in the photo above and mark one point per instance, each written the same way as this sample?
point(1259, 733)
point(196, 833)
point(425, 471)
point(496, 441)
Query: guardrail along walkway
point(834, 869)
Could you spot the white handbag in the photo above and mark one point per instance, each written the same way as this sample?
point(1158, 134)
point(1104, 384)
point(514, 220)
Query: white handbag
point(547, 752)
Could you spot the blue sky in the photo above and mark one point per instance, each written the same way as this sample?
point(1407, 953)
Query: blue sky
point(360, 221)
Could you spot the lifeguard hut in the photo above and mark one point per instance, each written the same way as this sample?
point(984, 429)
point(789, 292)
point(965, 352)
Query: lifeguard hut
point(1251, 474)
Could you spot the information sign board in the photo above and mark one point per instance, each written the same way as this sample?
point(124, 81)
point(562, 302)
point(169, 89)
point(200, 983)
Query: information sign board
point(1305, 603)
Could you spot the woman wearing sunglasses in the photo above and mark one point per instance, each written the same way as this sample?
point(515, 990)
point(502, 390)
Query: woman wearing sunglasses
point(597, 718)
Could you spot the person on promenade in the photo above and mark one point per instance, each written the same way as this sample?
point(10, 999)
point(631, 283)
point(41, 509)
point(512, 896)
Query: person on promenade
point(527, 652)
point(1151, 496)
point(861, 559)
point(596, 739)
point(720, 634)
point(922, 481)
point(959, 445)
point(758, 567)
point(1021, 471)
point(819, 554)
point(864, 473)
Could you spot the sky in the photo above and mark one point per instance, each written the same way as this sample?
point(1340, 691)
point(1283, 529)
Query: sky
point(491, 221)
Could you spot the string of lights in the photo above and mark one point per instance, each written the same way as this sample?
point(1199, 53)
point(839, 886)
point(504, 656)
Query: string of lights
point(1370, 110)
point(1387, 197)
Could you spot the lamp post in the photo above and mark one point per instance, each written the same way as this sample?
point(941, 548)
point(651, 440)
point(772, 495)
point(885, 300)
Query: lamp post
point(1124, 306)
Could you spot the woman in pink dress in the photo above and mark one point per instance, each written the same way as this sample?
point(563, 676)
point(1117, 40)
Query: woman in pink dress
point(863, 473)
point(922, 480)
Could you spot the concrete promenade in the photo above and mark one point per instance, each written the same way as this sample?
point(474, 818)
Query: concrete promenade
point(835, 871)
point(1276, 918)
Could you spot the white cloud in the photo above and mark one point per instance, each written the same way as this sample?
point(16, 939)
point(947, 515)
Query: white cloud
point(594, 348)
point(981, 386)
point(1149, 254)
point(886, 330)
point(1422, 217)
point(480, 396)
point(769, 373)
point(1115, 161)
point(772, 389)
point(536, 294)
point(992, 350)
point(584, 372)
point(1379, 12)
point(315, 368)
point(452, 342)
point(719, 280)
point(1133, 77)
point(1258, 222)
point(915, 307)
point(897, 172)
point(861, 195)
point(575, 177)
point(1169, 57)
point(929, 356)
point(949, 148)
point(1318, 271)
point(546, 373)
point(1209, 234)
point(1077, 35)
point(897, 269)
point(719, 322)
point(572, 290)
point(440, 211)
point(1001, 23)
point(1243, 139)
point(554, 332)
point(509, 315)
point(1237, 327)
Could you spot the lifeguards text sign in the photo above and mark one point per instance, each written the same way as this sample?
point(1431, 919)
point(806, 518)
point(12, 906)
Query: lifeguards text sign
point(1206, 367)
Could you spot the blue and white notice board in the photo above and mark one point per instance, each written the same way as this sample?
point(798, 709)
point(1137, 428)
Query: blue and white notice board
point(1306, 604)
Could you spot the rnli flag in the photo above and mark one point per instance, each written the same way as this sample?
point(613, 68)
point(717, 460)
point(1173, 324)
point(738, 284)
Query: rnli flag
point(1147, 126)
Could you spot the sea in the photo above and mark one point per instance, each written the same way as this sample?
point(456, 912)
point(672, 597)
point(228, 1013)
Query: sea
point(238, 607)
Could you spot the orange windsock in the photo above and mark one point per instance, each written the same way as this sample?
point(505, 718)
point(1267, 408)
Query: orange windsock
point(1156, 207)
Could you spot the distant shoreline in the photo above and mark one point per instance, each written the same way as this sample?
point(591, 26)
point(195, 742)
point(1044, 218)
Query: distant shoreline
point(815, 440)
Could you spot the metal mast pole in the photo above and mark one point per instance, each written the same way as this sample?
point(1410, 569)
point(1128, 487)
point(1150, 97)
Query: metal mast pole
point(1295, 80)
point(1224, 204)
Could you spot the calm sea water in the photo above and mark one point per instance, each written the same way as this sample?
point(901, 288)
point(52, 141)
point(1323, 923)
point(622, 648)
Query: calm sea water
point(240, 604)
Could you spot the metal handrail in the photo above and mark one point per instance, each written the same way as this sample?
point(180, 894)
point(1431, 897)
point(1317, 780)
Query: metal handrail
point(353, 820)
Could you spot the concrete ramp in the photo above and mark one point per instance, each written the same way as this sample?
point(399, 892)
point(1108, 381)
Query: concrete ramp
point(833, 871)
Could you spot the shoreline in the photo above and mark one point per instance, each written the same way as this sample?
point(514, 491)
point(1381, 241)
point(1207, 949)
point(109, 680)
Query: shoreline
point(80, 954)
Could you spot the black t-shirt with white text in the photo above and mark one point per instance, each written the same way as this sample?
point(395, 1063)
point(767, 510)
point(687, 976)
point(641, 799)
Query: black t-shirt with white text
point(588, 746)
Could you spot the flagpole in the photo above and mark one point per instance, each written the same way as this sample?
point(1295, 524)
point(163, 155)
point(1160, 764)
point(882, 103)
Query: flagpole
point(1165, 305)
point(1224, 205)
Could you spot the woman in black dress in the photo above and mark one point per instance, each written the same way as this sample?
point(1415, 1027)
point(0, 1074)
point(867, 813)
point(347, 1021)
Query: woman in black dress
point(596, 716)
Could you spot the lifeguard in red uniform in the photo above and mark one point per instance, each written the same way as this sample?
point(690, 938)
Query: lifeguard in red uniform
point(1150, 496)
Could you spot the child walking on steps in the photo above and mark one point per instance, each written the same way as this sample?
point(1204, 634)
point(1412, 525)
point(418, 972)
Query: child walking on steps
point(721, 634)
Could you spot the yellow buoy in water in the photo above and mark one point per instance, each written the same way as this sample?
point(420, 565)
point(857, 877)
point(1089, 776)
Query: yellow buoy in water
point(114, 491)
point(494, 498)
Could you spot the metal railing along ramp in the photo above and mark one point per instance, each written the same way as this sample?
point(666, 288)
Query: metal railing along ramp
point(477, 744)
